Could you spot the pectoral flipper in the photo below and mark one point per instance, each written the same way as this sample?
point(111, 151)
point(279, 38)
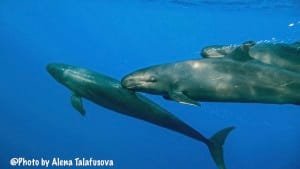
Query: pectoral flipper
point(76, 102)
point(182, 98)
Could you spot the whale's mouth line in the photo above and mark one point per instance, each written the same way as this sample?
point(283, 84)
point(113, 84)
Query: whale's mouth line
point(131, 87)
point(135, 86)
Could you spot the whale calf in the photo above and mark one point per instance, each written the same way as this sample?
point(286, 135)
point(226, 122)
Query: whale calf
point(108, 92)
point(236, 52)
point(217, 80)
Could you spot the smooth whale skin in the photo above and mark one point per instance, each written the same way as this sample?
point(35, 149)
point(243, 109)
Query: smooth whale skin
point(108, 92)
point(283, 55)
point(217, 80)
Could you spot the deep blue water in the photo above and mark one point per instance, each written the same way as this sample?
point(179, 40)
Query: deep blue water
point(115, 38)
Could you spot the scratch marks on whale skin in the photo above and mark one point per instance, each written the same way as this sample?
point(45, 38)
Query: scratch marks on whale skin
point(286, 84)
point(217, 78)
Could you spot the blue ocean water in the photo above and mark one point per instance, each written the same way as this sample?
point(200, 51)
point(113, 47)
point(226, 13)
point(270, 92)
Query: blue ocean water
point(115, 38)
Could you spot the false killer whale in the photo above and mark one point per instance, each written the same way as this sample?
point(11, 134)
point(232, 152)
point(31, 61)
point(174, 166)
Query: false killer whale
point(108, 92)
point(217, 80)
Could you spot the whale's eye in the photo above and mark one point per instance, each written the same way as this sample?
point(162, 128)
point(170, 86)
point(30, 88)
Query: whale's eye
point(152, 79)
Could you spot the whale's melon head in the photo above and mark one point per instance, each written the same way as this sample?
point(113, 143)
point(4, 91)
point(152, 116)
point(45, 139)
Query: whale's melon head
point(217, 51)
point(149, 80)
point(57, 71)
point(73, 77)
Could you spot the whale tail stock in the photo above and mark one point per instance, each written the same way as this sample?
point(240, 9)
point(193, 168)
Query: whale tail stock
point(216, 146)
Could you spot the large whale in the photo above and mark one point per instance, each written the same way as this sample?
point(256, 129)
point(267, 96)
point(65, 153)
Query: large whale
point(108, 92)
point(217, 80)
point(282, 55)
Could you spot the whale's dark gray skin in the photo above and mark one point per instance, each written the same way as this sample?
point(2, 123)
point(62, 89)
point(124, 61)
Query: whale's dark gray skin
point(283, 55)
point(217, 80)
point(108, 92)
point(217, 51)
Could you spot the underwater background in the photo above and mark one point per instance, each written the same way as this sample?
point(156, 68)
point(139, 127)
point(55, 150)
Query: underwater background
point(118, 37)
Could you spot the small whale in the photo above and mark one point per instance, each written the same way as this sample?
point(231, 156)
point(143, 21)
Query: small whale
point(217, 80)
point(236, 52)
point(108, 92)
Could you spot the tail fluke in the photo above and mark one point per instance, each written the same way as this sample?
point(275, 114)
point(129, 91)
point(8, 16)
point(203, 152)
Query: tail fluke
point(216, 146)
